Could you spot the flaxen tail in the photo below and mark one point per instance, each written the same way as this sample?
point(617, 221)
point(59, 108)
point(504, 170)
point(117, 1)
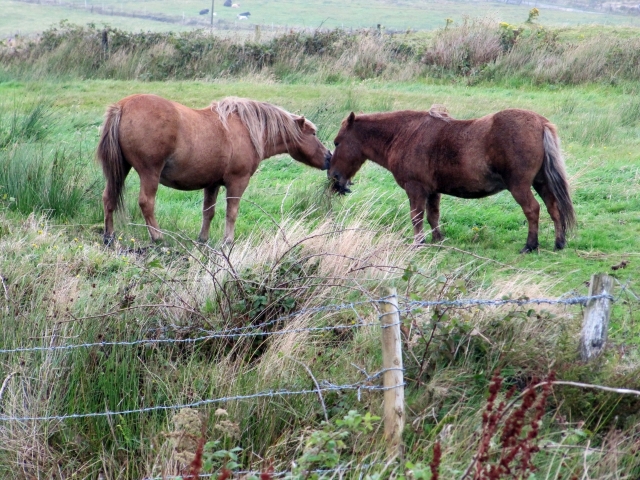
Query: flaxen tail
point(557, 177)
point(110, 156)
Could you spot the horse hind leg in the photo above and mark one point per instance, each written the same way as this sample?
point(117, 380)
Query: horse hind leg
point(147, 199)
point(208, 211)
point(552, 207)
point(531, 208)
point(110, 205)
point(433, 216)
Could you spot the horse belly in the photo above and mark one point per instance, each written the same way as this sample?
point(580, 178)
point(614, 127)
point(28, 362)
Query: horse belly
point(179, 185)
point(190, 170)
point(187, 177)
point(490, 185)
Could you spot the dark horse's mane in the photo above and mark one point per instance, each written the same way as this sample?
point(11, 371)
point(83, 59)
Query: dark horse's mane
point(440, 111)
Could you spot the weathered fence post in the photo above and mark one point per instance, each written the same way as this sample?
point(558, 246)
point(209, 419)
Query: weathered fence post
point(596, 318)
point(393, 378)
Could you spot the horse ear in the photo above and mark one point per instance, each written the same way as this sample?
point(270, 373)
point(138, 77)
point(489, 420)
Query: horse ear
point(301, 121)
point(351, 119)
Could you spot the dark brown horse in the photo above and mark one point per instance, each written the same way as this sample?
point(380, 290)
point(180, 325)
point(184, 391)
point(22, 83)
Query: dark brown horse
point(220, 145)
point(429, 154)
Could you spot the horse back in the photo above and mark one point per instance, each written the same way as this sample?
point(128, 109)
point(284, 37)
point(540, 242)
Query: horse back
point(474, 158)
point(186, 148)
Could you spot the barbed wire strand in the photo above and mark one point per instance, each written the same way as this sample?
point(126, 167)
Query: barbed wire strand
point(238, 332)
point(327, 387)
point(183, 340)
point(582, 300)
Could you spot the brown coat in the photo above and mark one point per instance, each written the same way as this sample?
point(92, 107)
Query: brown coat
point(170, 144)
point(429, 154)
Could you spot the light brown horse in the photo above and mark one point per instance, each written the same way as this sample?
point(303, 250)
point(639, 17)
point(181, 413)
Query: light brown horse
point(187, 149)
point(429, 154)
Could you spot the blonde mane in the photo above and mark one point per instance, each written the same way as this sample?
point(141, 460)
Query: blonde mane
point(265, 122)
point(439, 111)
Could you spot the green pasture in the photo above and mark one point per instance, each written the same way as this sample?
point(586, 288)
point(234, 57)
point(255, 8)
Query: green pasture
point(30, 18)
point(61, 285)
point(599, 126)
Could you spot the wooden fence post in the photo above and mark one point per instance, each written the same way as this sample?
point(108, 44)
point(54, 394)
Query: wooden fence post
point(393, 378)
point(596, 318)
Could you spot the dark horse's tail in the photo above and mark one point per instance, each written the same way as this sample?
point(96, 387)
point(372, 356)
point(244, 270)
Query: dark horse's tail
point(110, 156)
point(557, 177)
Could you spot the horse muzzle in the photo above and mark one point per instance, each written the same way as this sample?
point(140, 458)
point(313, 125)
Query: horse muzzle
point(339, 184)
point(327, 160)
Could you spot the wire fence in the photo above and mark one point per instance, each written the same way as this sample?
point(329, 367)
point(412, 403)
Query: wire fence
point(269, 394)
point(257, 330)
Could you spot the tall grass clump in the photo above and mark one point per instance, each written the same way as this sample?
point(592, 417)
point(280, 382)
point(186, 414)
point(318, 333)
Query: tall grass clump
point(23, 127)
point(542, 57)
point(44, 179)
point(465, 49)
point(630, 113)
point(37, 175)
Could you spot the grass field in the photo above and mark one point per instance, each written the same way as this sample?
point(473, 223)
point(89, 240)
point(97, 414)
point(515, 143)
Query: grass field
point(30, 18)
point(599, 140)
point(297, 248)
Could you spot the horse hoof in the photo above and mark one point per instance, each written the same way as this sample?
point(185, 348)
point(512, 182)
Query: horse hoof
point(559, 245)
point(108, 239)
point(528, 249)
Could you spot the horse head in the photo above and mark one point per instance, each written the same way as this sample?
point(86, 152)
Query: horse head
point(308, 148)
point(347, 157)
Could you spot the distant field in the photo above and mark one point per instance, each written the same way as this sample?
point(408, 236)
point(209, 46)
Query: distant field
point(30, 18)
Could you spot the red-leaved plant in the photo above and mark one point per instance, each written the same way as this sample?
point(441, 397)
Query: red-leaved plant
point(519, 429)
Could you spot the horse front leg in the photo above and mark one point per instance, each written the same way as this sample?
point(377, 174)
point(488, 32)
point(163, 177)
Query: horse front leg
point(433, 216)
point(417, 201)
point(208, 211)
point(531, 209)
point(235, 189)
point(147, 200)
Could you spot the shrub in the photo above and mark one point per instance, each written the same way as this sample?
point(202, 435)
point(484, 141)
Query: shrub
point(465, 49)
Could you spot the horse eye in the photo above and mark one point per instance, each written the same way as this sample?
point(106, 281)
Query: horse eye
point(336, 143)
